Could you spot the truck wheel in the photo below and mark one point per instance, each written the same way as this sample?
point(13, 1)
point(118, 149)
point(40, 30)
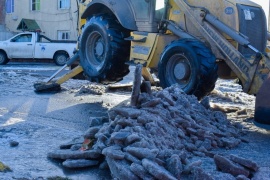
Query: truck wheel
point(3, 58)
point(190, 64)
point(103, 50)
point(60, 59)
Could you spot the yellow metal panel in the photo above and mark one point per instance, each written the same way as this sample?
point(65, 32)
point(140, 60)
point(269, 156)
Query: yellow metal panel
point(149, 52)
point(142, 45)
point(162, 41)
point(176, 15)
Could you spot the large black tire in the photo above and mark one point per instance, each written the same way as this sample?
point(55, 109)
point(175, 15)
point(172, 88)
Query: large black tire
point(3, 58)
point(190, 64)
point(103, 50)
point(60, 58)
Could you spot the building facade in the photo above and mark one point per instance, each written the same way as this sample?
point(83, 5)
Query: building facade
point(2, 12)
point(57, 19)
point(4, 33)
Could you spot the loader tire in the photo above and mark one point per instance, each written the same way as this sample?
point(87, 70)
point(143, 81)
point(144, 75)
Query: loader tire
point(190, 64)
point(3, 58)
point(103, 50)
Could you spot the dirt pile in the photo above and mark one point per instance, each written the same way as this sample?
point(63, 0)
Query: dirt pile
point(157, 139)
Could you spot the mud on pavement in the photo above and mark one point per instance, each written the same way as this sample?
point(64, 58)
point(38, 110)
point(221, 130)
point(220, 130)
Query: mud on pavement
point(40, 123)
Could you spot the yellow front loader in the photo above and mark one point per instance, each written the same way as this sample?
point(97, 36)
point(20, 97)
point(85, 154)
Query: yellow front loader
point(188, 42)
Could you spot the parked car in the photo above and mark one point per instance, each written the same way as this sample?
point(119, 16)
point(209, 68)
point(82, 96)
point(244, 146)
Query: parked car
point(33, 45)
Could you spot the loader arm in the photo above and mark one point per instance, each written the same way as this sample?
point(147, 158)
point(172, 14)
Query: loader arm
point(244, 69)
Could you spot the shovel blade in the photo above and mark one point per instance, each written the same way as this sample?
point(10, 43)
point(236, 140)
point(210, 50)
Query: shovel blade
point(262, 103)
point(47, 87)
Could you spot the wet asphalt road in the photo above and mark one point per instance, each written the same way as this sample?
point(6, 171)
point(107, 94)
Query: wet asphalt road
point(41, 122)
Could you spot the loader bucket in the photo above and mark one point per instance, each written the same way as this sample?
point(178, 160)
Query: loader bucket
point(262, 103)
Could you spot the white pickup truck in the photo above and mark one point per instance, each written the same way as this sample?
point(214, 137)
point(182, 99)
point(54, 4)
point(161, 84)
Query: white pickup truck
point(32, 45)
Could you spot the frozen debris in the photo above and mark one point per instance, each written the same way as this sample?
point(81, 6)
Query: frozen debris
point(200, 174)
point(69, 144)
point(120, 169)
point(92, 89)
point(227, 166)
point(244, 162)
point(13, 143)
point(91, 132)
point(159, 136)
point(79, 163)
point(156, 170)
point(206, 102)
point(68, 154)
point(140, 171)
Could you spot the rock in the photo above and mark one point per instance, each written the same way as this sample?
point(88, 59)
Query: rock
point(94, 121)
point(166, 96)
point(78, 140)
point(142, 152)
point(131, 158)
point(141, 172)
point(205, 102)
point(190, 147)
point(146, 87)
point(91, 132)
point(128, 112)
point(75, 147)
point(132, 138)
point(227, 166)
point(151, 103)
point(230, 142)
point(68, 154)
point(80, 163)
point(157, 171)
point(189, 167)
point(207, 144)
point(120, 169)
point(104, 165)
point(244, 162)
point(125, 122)
point(198, 153)
point(113, 153)
point(120, 136)
point(242, 177)
point(174, 165)
point(13, 143)
point(136, 88)
point(199, 174)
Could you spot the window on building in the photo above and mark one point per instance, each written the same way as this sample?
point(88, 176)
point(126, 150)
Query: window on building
point(9, 6)
point(63, 4)
point(35, 5)
point(63, 35)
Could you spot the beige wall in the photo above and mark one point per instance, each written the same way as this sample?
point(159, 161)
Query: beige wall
point(50, 19)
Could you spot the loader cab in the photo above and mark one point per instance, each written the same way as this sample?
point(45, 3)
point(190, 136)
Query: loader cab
point(148, 14)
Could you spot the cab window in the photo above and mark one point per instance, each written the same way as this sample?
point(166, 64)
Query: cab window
point(22, 38)
point(160, 7)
